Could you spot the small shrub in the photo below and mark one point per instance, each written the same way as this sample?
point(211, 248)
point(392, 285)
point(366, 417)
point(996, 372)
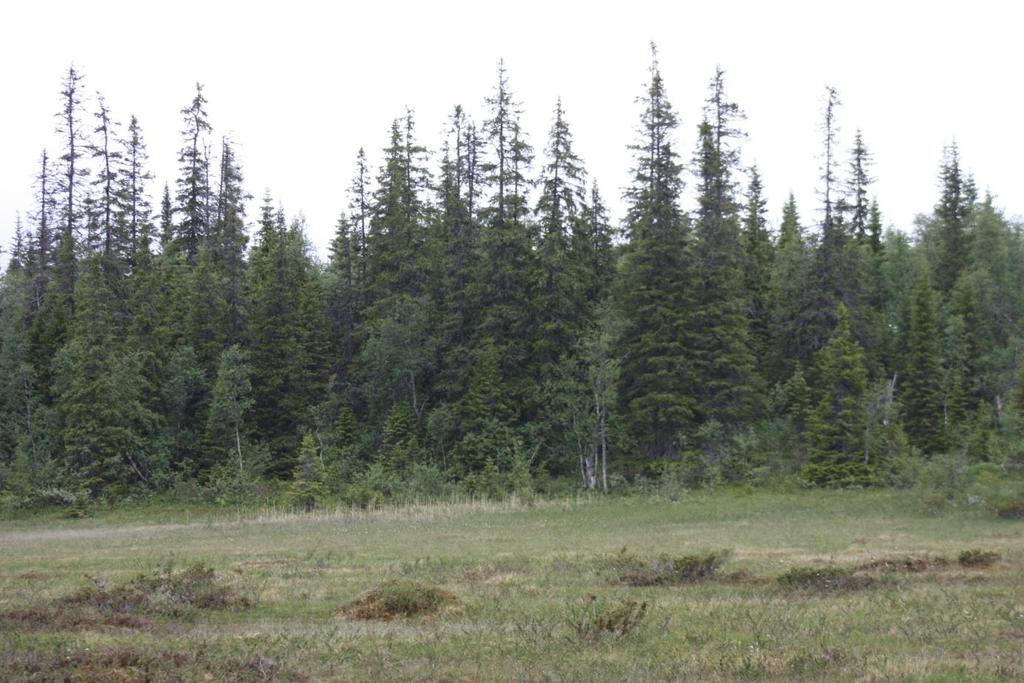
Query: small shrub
point(1011, 509)
point(912, 564)
point(976, 557)
point(831, 578)
point(596, 618)
point(399, 598)
point(634, 570)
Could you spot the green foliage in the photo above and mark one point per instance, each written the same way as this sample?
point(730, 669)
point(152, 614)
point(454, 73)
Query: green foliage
point(306, 490)
point(657, 288)
point(922, 385)
point(481, 324)
point(231, 399)
point(835, 428)
point(976, 557)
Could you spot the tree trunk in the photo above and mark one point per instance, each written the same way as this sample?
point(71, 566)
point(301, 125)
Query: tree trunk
point(238, 444)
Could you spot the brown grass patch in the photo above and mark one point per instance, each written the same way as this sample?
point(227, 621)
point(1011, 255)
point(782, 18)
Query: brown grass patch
point(32, 576)
point(488, 575)
point(126, 664)
point(742, 577)
point(109, 664)
point(400, 598)
point(62, 619)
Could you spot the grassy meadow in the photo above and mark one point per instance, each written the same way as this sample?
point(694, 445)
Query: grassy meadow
point(589, 589)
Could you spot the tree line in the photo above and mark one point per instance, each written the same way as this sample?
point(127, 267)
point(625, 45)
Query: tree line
point(479, 319)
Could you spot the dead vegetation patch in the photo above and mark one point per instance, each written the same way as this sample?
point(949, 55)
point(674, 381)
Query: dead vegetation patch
point(62, 619)
point(240, 567)
point(742, 577)
point(128, 664)
point(109, 664)
point(400, 598)
point(32, 576)
point(488, 574)
point(129, 605)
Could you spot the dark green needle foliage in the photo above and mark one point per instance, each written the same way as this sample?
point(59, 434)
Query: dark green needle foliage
point(486, 321)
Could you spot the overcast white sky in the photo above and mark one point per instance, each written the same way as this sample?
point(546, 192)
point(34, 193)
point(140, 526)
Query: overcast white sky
point(300, 86)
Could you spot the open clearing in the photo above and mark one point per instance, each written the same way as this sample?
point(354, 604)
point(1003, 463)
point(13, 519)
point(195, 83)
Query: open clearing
point(874, 590)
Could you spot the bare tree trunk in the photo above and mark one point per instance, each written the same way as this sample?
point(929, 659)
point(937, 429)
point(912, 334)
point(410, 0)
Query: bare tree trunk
point(580, 450)
point(591, 468)
point(602, 430)
point(238, 444)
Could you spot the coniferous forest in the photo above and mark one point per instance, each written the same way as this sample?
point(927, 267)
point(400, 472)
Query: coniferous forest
point(481, 326)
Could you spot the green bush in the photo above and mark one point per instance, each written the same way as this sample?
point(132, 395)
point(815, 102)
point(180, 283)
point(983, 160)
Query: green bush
point(597, 618)
point(976, 557)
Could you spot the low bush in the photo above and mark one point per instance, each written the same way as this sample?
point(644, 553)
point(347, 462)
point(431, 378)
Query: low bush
point(1011, 509)
point(399, 598)
point(597, 618)
point(164, 592)
point(827, 579)
point(634, 570)
point(912, 564)
point(975, 557)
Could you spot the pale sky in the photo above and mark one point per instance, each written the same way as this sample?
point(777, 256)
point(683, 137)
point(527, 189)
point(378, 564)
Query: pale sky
point(300, 86)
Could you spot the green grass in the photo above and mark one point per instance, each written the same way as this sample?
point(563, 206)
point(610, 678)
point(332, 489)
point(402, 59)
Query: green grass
point(536, 593)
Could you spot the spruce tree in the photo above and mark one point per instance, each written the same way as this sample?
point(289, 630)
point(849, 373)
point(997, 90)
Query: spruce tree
point(657, 385)
point(43, 245)
point(109, 159)
point(758, 254)
point(561, 308)
point(722, 357)
point(193, 198)
point(923, 409)
point(860, 209)
point(835, 428)
point(105, 420)
point(790, 298)
point(395, 242)
point(230, 401)
point(504, 282)
point(133, 204)
point(342, 296)
point(456, 240)
point(74, 143)
point(952, 214)
point(286, 337)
